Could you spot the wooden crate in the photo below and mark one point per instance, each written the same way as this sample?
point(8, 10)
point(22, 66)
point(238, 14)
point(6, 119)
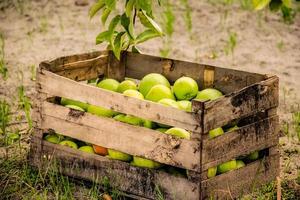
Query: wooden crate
point(252, 98)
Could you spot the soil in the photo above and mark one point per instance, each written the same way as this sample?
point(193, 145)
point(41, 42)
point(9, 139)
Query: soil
point(41, 30)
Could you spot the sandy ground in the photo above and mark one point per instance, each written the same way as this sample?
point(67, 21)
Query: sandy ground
point(50, 29)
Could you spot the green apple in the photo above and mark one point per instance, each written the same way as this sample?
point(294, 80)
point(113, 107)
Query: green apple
point(151, 80)
point(133, 93)
point(159, 92)
point(74, 107)
point(185, 105)
point(163, 130)
point(226, 167)
point(146, 163)
point(211, 172)
point(120, 117)
point(100, 111)
point(64, 101)
point(53, 138)
point(11, 138)
point(169, 102)
point(87, 149)
point(109, 84)
point(185, 88)
point(179, 132)
point(129, 119)
point(118, 155)
point(126, 85)
point(208, 94)
point(253, 156)
point(232, 128)
point(148, 124)
point(69, 143)
point(215, 132)
point(239, 164)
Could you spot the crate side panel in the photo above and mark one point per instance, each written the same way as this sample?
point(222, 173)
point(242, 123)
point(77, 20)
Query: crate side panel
point(121, 175)
point(112, 134)
point(75, 61)
point(245, 140)
point(52, 85)
point(233, 184)
point(246, 102)
point(226, 80)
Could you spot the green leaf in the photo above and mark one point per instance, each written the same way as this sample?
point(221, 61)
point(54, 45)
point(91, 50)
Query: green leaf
point(275, 5)
point(129, 8)
point(117, 47)
point(105, 15)
point(128, 25)
point(146, 35)
point(96, 7)
point(260, 4)
point(110, 4)
point(114, 22)
point(134, 49)
point(149, 22)
point(145, 5)
point(287, 3)
point(104, 36)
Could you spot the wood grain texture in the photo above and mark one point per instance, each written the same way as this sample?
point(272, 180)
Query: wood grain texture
point(233, 184)
point(245, 140)
point(116, 68)
point(127, 138)
point(226, 80)
point(248, 101)
point(121, 175)
point(52, 84)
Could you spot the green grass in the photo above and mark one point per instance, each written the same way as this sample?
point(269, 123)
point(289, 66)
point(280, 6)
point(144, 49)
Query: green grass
point(3, 68)
point(25, 104)
point(5, 116)
point(296, 122)
point(231, 43)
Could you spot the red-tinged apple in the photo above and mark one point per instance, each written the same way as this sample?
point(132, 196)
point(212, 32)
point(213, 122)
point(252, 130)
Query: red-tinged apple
point(100, 150)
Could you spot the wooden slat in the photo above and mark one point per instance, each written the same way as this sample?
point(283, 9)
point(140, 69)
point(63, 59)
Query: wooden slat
point(121, 175)
point(116, 68)
point(248, 101)
point(112, 134)
point(247, 139)
point(55, 85)
point(241, 181)
point(76, 61)
point(226, 80)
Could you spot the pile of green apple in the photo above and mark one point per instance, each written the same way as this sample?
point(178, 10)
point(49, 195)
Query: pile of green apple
point(153, 87)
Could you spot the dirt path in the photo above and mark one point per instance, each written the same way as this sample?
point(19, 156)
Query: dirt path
point(50, 29)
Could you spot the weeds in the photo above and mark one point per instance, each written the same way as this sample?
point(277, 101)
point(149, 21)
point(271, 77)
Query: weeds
point(231, 43)
point(296, 122)
point(3, 69)
point(5, 116)
point(159, 193)
point(280, 46)
point(187, 15)
point(43, 24)
point(33, 72)
point(25, 104)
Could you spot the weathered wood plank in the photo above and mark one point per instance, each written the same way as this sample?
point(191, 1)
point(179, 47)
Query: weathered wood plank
point(245, 140)
point(121, 175)
point(241, 181)
point(112, 134)
point(226, 80)
point(76, 61)
point(115, 67)
point(248, 101)
point(52, 84)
